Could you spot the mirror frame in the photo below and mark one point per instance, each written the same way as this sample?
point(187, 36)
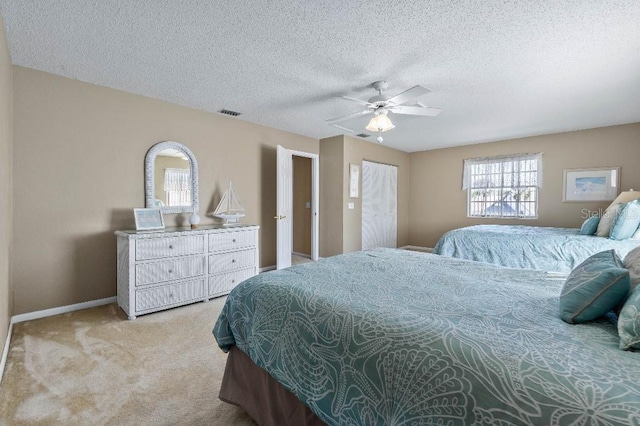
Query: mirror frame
point(149, 181)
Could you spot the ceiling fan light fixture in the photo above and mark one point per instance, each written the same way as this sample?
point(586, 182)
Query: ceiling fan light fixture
point(402, 103)
point(380, 123)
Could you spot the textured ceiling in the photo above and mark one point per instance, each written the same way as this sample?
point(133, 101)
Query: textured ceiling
point(498, 69)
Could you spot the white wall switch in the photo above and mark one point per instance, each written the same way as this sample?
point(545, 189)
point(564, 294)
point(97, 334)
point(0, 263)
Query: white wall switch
point(352, 206)
point(308, 205)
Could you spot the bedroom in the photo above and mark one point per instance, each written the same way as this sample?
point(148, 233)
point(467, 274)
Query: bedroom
point(74, 153)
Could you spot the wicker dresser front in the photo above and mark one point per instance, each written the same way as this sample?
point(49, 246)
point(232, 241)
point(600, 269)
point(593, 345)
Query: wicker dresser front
point(173, 267)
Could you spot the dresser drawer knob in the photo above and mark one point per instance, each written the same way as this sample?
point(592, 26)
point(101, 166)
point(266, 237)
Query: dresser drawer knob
point(171, 271)
point(234, 240)
point(233, 261)
point(171, 246)
point(233, 281)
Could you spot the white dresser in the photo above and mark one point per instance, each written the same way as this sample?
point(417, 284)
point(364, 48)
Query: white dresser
point(175, 266)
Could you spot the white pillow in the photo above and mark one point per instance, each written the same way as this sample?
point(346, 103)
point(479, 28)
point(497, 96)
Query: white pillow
point(607, 219)
point(632, 263)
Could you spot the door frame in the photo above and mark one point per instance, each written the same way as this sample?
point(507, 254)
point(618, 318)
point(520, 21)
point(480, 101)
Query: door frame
point(315, 206)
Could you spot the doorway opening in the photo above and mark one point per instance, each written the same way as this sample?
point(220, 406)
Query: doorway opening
point(302, 195)
point(307, 206)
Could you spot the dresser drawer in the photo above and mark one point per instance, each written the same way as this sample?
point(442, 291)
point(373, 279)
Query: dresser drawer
point(175, 267)
point(156, 248)
point(224, 283)
point(168, 270)
point(225, 241)
point(166, 295)
point(227, 262)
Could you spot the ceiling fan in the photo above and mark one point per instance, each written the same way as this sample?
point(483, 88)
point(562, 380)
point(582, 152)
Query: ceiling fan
point(380, 106)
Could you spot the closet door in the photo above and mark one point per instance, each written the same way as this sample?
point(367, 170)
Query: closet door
point(379, 205)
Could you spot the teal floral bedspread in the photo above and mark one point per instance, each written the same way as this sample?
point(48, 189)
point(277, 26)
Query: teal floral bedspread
point(527, 247)
point(393, 337)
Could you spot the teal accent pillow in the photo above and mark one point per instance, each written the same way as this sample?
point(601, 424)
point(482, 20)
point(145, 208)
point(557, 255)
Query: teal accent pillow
point(595, 287)
point(627, 221)
point(629, 322)
point(590, 226)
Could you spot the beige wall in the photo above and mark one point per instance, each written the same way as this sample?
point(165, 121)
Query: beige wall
point(331, 183)
point(341, 227)
point(78, 173)
point(6, 174)
point(356, 150)
point(438, 204)
point(301, 196)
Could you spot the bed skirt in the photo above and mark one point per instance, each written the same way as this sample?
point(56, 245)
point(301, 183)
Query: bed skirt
point(265, 400)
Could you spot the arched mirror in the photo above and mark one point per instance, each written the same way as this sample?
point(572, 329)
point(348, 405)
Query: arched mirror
point(171, 178)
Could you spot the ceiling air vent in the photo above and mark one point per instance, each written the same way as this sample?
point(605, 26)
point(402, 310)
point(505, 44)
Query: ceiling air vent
point(362, 135)
point(229, 112)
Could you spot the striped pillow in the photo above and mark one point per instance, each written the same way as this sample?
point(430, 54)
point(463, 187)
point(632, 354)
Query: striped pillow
point(594, 288)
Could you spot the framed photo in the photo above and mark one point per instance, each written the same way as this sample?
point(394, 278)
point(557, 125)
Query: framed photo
point(354, 179)
point(599, 184)
point(148, 219)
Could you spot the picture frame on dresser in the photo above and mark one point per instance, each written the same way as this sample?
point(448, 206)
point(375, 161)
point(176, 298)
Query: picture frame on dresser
point(148, 219)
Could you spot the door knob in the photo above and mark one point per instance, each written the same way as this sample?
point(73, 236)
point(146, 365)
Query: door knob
point(279, 217)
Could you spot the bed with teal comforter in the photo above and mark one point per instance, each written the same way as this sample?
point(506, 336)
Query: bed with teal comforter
point(528, 247)
point(393, 337)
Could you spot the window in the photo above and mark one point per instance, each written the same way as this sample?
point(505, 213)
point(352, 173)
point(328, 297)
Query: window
point(503, 187)
point(177, 187)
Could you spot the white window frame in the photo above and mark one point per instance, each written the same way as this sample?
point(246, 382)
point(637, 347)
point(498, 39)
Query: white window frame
point(503, 176)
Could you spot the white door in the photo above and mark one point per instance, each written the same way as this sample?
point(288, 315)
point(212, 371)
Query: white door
point(379, 205)
point(284, 206)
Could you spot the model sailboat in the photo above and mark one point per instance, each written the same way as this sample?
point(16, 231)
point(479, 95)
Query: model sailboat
point(230, 208)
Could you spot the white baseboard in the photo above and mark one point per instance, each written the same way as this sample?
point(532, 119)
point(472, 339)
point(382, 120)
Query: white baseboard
point(268, 268)
point(418, 248)
point(5, 352)
point(62, 310)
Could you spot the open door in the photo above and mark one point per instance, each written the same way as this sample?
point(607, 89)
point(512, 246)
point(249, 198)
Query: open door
point(284, 205)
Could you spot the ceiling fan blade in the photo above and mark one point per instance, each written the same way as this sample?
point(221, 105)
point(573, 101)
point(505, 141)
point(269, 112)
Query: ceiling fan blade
point(409, 95)
point(349, 116)
point(416, 110)
point(358, 101)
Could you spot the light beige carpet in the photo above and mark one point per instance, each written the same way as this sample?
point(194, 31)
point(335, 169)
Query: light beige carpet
point(94, 367)
point(297, 260)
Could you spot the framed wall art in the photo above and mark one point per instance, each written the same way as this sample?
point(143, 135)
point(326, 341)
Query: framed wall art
point(354, 180)
point(597, 184)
